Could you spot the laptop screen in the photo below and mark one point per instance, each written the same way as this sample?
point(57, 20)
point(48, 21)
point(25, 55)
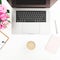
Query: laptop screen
point(31, 2)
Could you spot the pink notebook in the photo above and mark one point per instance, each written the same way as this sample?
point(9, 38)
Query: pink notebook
point(53, 44)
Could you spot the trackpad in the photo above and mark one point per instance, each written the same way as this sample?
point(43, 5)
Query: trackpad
point(31, 28)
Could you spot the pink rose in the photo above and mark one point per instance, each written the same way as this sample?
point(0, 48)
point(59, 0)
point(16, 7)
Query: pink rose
point(4, 16)
point(6, 23)
point(3, 9)
point(2, 26)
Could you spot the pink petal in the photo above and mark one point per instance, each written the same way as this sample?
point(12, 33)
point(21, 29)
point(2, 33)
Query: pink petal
point(0, 26)
point(4, 16)
point(3, 8)
point(5, 22)
point(1, 13)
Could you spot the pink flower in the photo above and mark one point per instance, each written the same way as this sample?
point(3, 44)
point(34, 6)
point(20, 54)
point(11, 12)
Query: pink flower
point(6, 23)
point(2, 26)
point(4, 16)
point(3, 9)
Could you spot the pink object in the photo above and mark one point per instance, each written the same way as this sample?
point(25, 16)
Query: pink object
point(6, 23)
point(2, 26)
point(53, 44)
point(3, 17)
point(3, 9)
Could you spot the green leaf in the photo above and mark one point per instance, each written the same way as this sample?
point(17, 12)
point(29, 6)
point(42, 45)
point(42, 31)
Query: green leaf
point(8, 21)
point(8, 11)
point(0, 1)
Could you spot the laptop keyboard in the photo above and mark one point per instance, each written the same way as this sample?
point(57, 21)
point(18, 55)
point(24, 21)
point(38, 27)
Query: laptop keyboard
point(30, 16)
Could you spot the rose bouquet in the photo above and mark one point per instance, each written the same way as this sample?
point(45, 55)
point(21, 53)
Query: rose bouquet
point(3, 16)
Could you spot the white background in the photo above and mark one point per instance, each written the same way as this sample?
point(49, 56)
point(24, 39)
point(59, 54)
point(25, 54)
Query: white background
point(15, 48)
